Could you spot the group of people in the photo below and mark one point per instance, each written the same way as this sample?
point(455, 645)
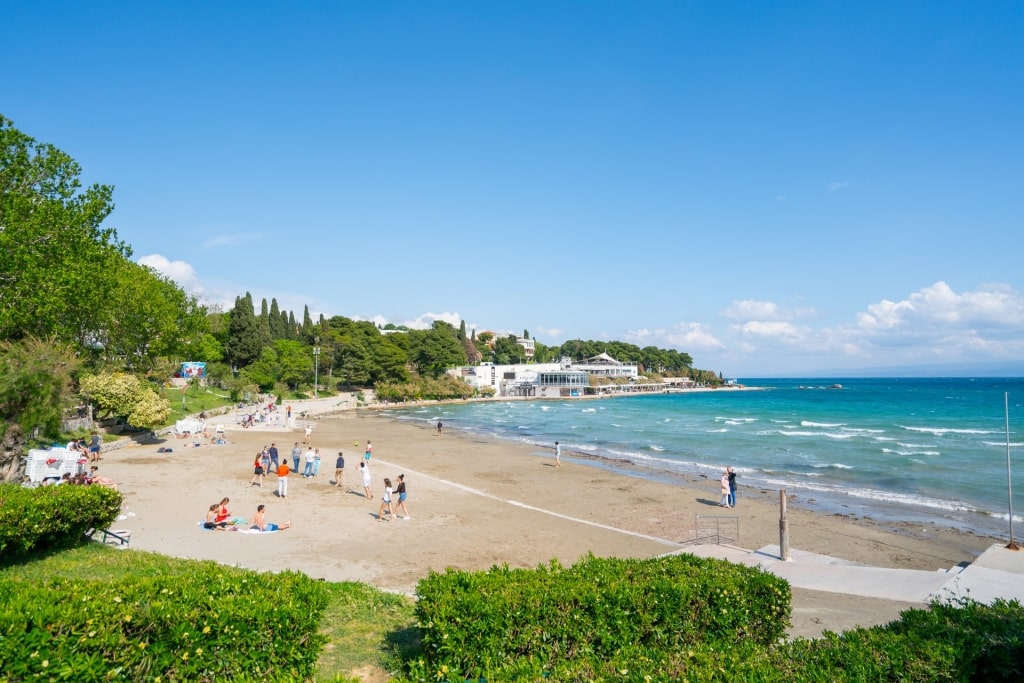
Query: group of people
point(728, 482)
point(90, 450)
point(218, 518)
point(268, 460)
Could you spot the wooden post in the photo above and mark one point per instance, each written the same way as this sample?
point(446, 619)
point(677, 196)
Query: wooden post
point(783, 528)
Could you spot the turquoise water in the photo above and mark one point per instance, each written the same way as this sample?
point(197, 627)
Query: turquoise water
point(912, 449)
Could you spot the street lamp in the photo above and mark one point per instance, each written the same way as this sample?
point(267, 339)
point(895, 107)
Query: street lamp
point(316, 372)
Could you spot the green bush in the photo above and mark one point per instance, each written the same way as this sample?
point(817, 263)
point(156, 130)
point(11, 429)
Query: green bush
point(211, 623)
point(504, 623)
point(51, 517)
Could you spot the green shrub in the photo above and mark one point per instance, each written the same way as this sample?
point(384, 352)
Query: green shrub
point(500, 621)
point(213, 623)
point(51, 517)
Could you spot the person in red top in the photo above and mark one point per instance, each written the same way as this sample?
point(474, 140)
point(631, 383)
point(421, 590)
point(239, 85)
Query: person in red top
point(282, 480)
point(257, 477)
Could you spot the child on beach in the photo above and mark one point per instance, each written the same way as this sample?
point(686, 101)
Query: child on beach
point(369, 451)
point(385, 503)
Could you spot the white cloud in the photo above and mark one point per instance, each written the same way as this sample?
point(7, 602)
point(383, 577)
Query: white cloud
point(181, 272)
point(689, 337)
point(764, 311)
point(841, 185)
point(232, 239)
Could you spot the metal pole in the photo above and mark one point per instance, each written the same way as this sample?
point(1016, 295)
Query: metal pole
point(1009, 479)
point(316, 372)
point(783, 528)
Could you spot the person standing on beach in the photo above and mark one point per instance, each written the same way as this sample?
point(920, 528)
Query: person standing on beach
point(307, 471)
point(558, 455)
point(440, 426)
point(725, 490)
point(265, 457)
point(401, 497)
point(385, 503)
point(369, 451)
point(308, 433)
point(339, 468)
point(95, 443)
point(282, 480)
point(272, 451)
point(366, 479)
point(316, 462)
point(257, 474)
point(732, 486)
point(296, 456)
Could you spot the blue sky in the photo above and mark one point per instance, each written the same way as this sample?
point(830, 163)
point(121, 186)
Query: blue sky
point(775, 188)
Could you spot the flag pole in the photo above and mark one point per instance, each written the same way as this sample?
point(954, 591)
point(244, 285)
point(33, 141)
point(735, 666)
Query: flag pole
point(1009, 480)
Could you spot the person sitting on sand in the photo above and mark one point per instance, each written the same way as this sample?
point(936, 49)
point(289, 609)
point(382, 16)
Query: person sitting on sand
point(211, 519)
point(222, 510)
point(259, 521)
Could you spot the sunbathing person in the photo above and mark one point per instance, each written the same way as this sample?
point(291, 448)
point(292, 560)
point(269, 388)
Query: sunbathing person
point(259, 521)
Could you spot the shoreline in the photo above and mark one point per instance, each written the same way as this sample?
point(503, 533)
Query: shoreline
point(474, 503)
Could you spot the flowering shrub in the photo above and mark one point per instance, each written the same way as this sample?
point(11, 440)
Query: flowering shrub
point(207, 623)
point(51, 517)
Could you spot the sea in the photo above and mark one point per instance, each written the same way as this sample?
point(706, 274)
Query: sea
point(948, 451)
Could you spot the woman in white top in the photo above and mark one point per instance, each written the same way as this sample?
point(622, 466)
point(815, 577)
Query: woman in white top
point(366, 479)
point(385, 503)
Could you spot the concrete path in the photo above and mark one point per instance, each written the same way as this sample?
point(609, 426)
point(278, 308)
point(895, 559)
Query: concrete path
point(997, 573)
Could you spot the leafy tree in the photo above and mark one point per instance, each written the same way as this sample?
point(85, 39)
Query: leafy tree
point(151, 317)
point(150, 411)
point(55, 258)
point(124, 396)
point(35, 384)
point(243, 341)
point(508, 351)
point(294, 363)
point(435, 350)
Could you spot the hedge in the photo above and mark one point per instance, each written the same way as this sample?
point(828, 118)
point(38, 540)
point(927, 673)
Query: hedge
point(214, 623)
point(47, 518)
point(507, 623)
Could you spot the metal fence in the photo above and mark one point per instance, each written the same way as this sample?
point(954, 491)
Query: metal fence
point(717, 529)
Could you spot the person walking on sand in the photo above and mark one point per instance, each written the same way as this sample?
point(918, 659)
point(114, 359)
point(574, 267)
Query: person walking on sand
point(732, 486)
point(296, 456)
point(400, 490)
point(725, 490)
point(274, 455)
point(339, 468)
point(558, 455)
point(266, 460)
point(282, 480)
point(385, 503)
point(257, 476)
point(369, 451)
point(307, 471)
point(260, 522)
point(366, 479)
point(309, 433)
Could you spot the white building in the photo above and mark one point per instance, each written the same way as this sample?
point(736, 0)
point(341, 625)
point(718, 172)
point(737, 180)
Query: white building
point(551, 380)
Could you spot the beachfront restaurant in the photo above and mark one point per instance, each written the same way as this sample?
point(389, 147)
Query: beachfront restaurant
point(562, 383)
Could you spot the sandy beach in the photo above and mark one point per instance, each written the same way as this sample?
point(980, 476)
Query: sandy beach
point(475, 503)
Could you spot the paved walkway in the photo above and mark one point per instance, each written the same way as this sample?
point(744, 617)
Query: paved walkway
point(997, 573)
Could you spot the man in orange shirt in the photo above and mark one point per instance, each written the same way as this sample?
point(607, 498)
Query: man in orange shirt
point(282, 479)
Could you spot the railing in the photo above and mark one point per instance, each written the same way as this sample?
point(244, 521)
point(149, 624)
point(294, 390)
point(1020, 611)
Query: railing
point(717, 529)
